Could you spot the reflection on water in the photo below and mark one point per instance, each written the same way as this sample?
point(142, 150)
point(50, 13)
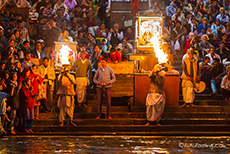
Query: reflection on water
point(115, 144)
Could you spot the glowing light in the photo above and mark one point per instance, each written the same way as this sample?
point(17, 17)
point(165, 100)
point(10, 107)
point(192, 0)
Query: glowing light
point(64, 54)
point(162, 57)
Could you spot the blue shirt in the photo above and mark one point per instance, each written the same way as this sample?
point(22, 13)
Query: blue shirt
point(104, 75)
point(202, 27)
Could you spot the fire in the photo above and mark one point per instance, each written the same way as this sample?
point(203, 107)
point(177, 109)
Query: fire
point(162, 57)
point(64, 54)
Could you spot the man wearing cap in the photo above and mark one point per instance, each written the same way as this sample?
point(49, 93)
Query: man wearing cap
point(189, 78)
point(83, 73)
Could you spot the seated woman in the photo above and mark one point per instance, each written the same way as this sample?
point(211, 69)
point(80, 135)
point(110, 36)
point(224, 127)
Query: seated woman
point(101, 32)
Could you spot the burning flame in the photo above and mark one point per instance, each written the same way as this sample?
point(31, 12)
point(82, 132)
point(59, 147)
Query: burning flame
point(64, 54)
point(162, 57)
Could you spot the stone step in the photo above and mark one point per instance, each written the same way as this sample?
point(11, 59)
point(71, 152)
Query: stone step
point(134, 128)
point(138, 121)
point(205, 97)
point(208, 102)
point(220, 102)
point(67, 133)
point(44, 116)
point(205, 109)
point(114, 109)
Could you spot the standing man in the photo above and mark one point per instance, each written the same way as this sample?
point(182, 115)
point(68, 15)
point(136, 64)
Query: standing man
point(189, 78)
point(83, 71)
point(48, 75)
point(104, 77)
point(50, 32)
point(66, 95)
point(155, 100)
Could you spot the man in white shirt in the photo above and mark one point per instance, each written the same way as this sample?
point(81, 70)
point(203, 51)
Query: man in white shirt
point(212, 55)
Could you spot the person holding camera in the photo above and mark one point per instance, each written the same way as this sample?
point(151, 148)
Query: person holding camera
point(115, 35)
point(51, 33)
point(66, 95)
point(125, 45)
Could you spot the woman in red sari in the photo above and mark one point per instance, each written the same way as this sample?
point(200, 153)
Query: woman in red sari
point(36, 81)
point(25, 74)
point(27, 104)
point(189, 42)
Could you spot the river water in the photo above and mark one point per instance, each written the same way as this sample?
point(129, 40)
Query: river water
point(115, 144)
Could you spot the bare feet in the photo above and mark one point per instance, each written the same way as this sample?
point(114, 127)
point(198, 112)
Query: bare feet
point(158, 124)
point(30, 130)
point(110, 118)
point(97, 118)
point(61, 124)
point(12, 132)
point(184, 105)
point(84, 105)
point(36, 118)
point(73, 123)
point(192, 105)
point(147, 124)
point(26, 130)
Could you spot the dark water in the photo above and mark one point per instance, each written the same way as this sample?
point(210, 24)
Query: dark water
point(115, 145)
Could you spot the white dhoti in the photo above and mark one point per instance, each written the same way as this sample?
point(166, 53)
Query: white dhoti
point(155, 103)
point(188, 91)
point(66, 106)
point(81, 83)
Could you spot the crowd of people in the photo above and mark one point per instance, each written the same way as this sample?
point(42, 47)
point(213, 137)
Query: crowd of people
point(201, 27)
point(22, 81)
